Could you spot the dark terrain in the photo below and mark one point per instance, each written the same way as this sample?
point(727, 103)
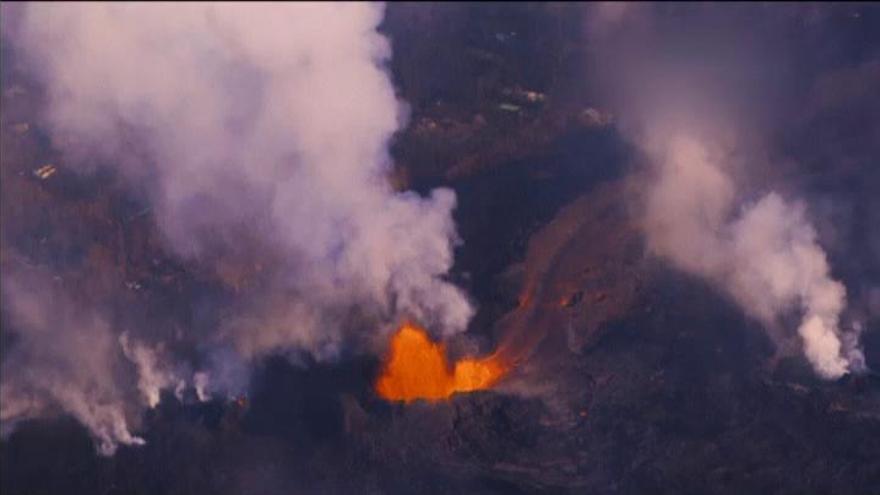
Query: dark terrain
point(646, 380)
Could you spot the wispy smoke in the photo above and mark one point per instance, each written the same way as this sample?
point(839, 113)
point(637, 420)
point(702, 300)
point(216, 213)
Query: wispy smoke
point(259, 132)
point(152, 377)
point(696, 106)
point(65, 357)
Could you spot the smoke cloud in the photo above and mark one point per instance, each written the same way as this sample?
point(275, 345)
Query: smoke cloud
point(259, 134)
point(698, 107)
point(255, 119)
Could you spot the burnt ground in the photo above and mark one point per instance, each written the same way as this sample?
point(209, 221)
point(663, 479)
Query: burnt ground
point(644, 380)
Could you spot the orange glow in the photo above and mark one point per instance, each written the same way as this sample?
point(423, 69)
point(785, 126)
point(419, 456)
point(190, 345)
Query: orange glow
point(417, 368)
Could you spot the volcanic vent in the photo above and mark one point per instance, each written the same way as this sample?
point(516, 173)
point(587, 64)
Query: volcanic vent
point(418, 368)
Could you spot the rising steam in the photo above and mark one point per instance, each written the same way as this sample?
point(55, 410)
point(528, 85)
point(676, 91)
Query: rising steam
point(701, 127)
point(765, 255)
point(258, 132)
point(65, 357)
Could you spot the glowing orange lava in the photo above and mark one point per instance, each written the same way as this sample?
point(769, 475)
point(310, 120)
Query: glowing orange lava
point(417, 368)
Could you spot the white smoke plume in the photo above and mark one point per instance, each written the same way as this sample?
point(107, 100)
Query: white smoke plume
point(152, 377)
point(64, 358)
point(266, 120)
point(200, 382)
point(258, 131)
point(765, 255)
point(695, 94)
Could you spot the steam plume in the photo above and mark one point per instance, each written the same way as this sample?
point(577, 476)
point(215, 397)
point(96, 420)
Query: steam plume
point(700, 125)
point(152, 378)
point(258, 132)
point(64, 357)
point(263, 119)
point(765, 256)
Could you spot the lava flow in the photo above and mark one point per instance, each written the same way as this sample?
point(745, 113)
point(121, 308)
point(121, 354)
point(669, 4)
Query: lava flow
point(417, 368)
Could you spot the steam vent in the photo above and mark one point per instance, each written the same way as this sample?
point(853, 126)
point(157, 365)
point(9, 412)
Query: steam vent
point(439, 248)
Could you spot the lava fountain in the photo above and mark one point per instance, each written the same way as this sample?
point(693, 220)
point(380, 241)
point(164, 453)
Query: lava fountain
point(417, 368)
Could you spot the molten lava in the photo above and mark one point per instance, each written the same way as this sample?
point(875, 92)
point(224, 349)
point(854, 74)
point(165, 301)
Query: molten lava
point(417, 368)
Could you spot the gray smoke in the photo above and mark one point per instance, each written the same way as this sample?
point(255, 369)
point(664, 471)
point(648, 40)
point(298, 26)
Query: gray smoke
point(258, 132)
point(695, 95)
